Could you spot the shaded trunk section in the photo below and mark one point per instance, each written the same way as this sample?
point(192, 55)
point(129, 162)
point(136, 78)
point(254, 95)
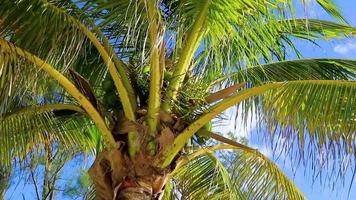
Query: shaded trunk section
point(117, 177)
point(142, 192)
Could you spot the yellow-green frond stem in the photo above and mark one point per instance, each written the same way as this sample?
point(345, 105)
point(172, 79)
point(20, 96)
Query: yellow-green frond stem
point(153, 18)
point(119, 65)
point(187, 53)
point(133, 143)
point(124, 96)
point(68, 86)
point(154, 100)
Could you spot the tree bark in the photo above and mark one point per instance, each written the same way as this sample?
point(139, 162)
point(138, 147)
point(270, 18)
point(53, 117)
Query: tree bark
point(142, 192)
point(116, 177)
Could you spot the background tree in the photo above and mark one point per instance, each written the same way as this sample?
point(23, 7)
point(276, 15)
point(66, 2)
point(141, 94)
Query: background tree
point(149, 76)
point(4, 180)
point(45, 172)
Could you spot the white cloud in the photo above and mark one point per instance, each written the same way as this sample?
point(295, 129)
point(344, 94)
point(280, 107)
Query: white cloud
point(345, 48)
point(236, 125)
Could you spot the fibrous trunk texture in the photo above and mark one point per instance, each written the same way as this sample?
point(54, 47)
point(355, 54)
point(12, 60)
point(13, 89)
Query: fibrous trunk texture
point(116, 177)
point(141, 192)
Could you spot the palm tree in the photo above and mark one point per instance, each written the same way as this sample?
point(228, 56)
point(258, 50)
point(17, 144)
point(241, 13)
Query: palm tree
point(150, 76)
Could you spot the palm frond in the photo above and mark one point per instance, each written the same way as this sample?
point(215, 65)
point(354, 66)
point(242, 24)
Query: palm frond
point(316, 120)
point(251, 49)
point(260, 178)
point(246, 174)
point(221, 26)
point(26, 129)
point(205, 177)
point(304, 69)
point(123, 22)
point(310, 121)
point(26, 23)
point(19, 77)
point(68, 25)
point(343, 122)
point(330, 7)
point(91, 194)
point(66, 84)
point(10, 80)
point(318, 29)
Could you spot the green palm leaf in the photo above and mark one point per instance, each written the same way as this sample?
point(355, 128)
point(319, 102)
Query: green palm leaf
point(304, 69)
point(312, 121)
point(26, 129)
point(250, 47)
point(52, 43)
point(247, 174)
point(293, 104)
point(261, 178)
point(124, 23)
point(220, 26)
point(205, 177)
point(319, 115)
point(318, 29)
point(307, 105)
point(27, 25)
point(331, 8)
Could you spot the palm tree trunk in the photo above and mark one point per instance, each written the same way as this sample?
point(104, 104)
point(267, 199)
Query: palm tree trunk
point(136, 193)
point(117, 177)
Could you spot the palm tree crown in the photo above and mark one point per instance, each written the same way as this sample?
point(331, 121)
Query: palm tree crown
point(141, 81)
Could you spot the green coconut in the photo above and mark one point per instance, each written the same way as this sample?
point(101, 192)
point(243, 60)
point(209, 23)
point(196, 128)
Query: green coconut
point(110, 99)
point(108, 85)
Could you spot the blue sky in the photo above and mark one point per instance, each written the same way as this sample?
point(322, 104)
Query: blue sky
point(334, 48)
point(331, 49)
